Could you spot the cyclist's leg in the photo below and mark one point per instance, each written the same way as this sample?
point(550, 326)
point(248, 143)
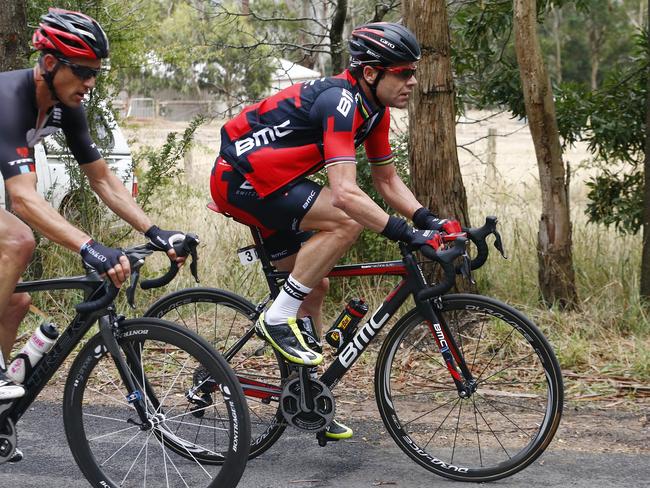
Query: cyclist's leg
point(312, 305)
point(16, 248)
point(337, 233)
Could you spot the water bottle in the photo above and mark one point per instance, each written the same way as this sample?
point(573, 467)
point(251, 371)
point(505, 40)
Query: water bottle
point(38, 344)
point(346, 324)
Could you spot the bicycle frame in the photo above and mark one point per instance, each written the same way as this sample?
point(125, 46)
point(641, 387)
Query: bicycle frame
point(92, 286)
point(412, 283)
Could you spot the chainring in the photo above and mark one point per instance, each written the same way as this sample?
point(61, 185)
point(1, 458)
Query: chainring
point(311, 421)
point(8, 440)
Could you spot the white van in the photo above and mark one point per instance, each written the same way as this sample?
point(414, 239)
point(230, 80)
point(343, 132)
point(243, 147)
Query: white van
point(52, 179)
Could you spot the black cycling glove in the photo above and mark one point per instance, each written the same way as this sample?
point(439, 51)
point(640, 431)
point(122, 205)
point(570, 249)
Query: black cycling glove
point(100, 257)
point(163, 239)
point(423, 218)
point(398, 230)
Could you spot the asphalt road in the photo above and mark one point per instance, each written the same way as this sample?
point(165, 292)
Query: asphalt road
point(296, 461)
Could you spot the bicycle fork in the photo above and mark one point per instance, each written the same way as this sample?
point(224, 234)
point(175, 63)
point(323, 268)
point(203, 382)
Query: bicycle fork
point(108, 326)
point(451, 353)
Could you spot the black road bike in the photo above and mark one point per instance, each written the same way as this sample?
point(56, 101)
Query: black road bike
point(467, 386)
point(147, 402)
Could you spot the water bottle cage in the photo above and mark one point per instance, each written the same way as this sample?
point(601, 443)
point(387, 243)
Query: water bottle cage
point(27, 365)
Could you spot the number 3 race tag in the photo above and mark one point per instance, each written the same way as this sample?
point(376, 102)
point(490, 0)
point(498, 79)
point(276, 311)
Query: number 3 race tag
point(247, 255)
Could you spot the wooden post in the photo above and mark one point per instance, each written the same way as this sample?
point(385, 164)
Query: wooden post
point(491, 170)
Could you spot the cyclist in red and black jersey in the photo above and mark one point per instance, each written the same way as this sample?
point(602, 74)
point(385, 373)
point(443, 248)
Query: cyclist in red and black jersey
point(35, 103)
point(269, 149)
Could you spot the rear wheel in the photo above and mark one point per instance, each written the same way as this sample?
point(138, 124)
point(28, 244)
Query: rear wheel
point(189, 431)
point(226, 320)
point(500, 428)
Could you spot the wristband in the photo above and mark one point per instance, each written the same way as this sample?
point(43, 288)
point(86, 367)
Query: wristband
point(395, 229)
point(422, 216)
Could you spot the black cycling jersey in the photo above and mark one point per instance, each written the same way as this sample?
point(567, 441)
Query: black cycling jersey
point(18, 131)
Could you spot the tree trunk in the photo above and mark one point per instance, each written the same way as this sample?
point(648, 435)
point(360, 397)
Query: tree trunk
point(337, 48)
point(13, 35)
point(557, 38)
point(554, 247)
point(645, 255)
point(245, 7)
point(435, 173)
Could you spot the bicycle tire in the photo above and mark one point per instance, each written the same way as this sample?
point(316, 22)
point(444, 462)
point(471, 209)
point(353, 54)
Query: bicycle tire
point(223, 317)
point(184, 442)
point(498, 430)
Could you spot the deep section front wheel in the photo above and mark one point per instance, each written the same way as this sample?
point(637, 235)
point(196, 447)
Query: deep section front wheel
point(185, 425)
point(226, 320)
point(516, 404)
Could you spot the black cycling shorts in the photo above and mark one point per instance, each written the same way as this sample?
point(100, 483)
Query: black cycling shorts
point(278, 216)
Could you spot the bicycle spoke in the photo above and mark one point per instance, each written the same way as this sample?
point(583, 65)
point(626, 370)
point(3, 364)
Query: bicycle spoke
point(492, 431)
point(408, 422)
point(500, 412)
point(103, 436)
point(478, 435)
point(460, 410)
point(123, 446)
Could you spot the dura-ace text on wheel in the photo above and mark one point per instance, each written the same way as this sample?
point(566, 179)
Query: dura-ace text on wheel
point(515, 405)
point(224, 319)
point(196, 433)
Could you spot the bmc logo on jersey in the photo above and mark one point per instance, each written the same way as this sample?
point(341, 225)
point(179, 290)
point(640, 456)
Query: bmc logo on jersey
point(262, 137)
point(345, 103)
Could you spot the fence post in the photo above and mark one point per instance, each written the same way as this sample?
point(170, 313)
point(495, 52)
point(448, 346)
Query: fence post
point(491, 169)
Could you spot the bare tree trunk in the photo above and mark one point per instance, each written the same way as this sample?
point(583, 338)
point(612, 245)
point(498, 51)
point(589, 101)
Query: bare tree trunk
point(596, 38)
point(554, 246)
point(13, 35)
point(435, 172)
point(645, 255)
point(245, 7)
point(337, 48)
point(557, 38)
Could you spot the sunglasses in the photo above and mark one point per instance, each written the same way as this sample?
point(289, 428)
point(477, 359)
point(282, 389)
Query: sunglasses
point(82, 72)
point(404, 73)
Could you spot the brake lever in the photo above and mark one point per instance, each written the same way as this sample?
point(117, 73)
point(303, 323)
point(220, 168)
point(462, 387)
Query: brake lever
point(466, 268)
point(194, 265)
point(130, 292)
point(498, 243)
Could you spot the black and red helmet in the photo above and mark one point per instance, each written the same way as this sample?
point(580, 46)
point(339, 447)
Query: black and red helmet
point(383, 44)
point(71, 34)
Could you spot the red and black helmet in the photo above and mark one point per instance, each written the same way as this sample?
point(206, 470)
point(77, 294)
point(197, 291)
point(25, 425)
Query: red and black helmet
point(383, 44)
point(71, 34)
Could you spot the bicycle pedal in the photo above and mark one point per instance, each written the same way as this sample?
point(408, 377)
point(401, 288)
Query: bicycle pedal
point(322, 439)
point(17, 457)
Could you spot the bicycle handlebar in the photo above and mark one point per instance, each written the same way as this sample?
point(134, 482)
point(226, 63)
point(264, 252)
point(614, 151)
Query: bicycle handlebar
point(478, 236)
point(446, 259)
point(186, 247)
point(137, 255)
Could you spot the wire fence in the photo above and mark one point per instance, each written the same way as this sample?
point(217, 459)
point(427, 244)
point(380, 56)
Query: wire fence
point(173, 110)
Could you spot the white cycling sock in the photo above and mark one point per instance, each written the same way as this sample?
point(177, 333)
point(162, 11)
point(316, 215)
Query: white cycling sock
point(287, 303)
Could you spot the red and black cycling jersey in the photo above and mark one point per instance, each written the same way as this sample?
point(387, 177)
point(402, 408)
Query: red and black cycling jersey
point(18, 131)
point(303, 128)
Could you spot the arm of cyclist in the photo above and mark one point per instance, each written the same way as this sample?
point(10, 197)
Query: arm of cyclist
point(30, 206)
point(347, 196)
point(115, 195)
point(393, 190)
point(391, 187)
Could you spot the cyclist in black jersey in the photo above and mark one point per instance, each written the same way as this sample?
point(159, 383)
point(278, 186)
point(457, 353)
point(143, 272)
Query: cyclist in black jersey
point(35, 103)
point(268, 149)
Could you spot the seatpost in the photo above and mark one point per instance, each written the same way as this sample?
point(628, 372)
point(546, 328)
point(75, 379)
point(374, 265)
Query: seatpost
point(270, 273)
